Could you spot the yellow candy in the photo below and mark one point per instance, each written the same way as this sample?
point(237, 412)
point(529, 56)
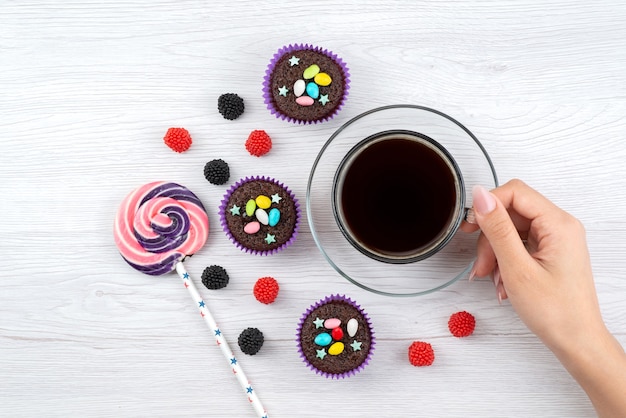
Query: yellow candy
point(335, 349)
point(322, 79)
point(263, 202)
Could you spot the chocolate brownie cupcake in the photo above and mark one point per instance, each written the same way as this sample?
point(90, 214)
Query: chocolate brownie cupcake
point(335, 337)
point(305, 84)
point(260, 215)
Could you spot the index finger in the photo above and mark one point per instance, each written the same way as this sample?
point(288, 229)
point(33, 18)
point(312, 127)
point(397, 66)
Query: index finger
point(522, 199)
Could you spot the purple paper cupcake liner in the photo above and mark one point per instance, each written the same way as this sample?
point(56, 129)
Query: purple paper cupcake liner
point(267, 95)
point(224, 203)
point(305, 315)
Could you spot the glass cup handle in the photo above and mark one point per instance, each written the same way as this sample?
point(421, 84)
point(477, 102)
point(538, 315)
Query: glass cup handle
point(469, 217)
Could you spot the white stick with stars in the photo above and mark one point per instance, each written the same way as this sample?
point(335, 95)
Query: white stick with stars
point(233, 363)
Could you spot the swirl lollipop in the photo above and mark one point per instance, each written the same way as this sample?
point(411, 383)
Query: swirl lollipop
point(157, 226)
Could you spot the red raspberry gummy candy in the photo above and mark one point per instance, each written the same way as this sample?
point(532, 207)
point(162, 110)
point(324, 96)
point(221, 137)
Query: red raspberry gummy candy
point(421, 354)
point(266, 290)
point(258, 143)
point(461, 324)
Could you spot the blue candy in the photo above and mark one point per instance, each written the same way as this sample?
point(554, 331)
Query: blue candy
point(274, 216)
point(313, 90)
point(323, 339)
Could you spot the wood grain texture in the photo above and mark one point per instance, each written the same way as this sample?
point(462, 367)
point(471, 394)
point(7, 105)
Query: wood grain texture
point(87, 90)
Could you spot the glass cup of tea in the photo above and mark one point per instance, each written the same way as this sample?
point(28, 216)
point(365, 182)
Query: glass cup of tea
point(422, 185)
point(387, 194)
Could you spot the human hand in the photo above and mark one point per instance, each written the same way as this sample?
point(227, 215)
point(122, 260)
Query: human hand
point(538, 258)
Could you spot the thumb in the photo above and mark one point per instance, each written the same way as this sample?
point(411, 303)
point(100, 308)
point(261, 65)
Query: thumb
point(498, 228)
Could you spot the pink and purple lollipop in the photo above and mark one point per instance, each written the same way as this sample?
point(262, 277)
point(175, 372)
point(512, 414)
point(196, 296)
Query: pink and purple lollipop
point(158, 225)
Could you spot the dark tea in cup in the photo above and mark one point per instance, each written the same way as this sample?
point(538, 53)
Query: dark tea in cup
point(398, 196)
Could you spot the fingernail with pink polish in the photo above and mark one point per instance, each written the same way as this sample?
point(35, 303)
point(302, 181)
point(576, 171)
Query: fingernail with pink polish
point(501, 292)
point(496, 276)
point(472, 274)
point(484, 202)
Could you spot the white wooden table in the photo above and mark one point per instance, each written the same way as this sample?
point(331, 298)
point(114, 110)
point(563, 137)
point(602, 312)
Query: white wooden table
point(87, 91)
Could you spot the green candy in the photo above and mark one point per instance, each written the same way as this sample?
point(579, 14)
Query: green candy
point(250, 207)
point(311, 72)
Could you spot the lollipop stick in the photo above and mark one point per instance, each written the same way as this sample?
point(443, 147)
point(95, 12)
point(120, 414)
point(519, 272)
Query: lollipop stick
point(233, 363)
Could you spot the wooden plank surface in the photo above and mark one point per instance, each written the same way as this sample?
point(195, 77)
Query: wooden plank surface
point(87, 91)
